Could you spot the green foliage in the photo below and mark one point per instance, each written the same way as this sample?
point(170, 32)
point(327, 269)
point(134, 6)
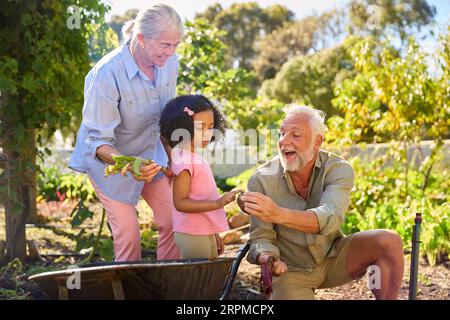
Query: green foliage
point(149, 239)
point(203, 68)
point(210, 13)
point(116, 22)
point(259, 113)
point(201, 55)
point(42, 67)
point(98, 242)
point(79, 214)
point(106, 249)
point(222, 185)
point(392, 97)
point(102, 40)
point(94, 243)
point(310, 79)
point(379, 201)
point(14, 283)
point(244, 23)
point(54, 186)
point(43, 61)
point(395, 99)
point(311, 33)
point(390, 16)
point(11, 275)
point(202, 64)
point(240, 181)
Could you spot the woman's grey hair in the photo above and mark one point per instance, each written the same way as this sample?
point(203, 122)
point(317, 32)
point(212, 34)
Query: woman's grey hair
point(316, 117)
point(151, 22)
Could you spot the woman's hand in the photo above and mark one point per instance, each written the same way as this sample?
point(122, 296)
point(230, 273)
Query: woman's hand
point(148, 172)
point(220, 245)
point(228, 197)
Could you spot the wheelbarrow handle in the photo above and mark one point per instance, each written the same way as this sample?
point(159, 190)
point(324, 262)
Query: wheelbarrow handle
point(234, 269)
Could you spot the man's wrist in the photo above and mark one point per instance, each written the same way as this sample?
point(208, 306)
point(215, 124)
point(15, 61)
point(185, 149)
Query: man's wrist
point(282, 214)
point(264, 253)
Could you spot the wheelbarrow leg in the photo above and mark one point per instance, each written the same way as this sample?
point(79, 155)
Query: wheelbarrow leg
point(63, 293)
point(234, 268)
point(117, 288)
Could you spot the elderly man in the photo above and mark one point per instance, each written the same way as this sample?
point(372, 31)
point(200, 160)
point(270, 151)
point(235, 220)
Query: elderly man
point(297, 202)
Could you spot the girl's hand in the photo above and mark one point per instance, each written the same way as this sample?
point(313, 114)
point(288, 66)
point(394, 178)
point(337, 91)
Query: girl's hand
point(148, 172)
point(228, 197)
point(220, 245)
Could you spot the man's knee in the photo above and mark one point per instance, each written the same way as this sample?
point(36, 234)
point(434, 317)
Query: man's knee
point(388, 242)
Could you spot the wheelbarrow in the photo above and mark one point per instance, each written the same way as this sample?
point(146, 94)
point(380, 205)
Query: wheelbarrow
point(163, 280)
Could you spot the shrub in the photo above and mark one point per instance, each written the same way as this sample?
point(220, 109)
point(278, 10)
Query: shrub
point(55, 186)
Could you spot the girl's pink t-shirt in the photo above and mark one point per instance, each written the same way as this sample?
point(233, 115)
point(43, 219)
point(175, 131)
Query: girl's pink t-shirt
point(203, 187)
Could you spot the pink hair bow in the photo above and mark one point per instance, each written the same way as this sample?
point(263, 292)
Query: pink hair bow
point(188, 111)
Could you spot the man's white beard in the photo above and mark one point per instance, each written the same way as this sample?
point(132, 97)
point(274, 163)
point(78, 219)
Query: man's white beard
point(301, 159)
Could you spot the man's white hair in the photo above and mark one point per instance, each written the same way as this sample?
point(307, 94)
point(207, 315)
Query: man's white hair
point(316, 117)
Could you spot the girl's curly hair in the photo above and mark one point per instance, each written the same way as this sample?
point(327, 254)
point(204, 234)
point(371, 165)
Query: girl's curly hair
point(174, 117)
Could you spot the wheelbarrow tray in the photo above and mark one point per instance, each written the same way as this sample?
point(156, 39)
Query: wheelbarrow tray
point(175, 279)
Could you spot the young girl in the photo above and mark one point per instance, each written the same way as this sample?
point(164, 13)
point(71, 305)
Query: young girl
point(187, 123)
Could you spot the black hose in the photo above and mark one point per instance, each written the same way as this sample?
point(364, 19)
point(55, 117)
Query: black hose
point(234, 268)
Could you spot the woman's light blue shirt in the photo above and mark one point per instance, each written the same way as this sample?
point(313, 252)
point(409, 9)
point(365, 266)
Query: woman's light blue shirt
point(122, 108)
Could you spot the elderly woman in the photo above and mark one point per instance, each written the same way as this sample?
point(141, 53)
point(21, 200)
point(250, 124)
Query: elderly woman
point(124, 94)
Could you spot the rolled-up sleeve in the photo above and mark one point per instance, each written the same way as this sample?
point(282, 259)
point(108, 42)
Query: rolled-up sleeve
point(262, 235)
point(101, 110)
point(335, 198)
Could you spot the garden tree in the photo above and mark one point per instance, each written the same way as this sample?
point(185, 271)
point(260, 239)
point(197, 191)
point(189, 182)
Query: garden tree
point(391, 97)
point(117, 21)
point(260, 113)
point(283, 44)
point(310, 79)
point(442, 90)
point(311, 33)
point(203, 68)
point(275, 16)
point(43, 60)
point(397, 99)
point(210, 13)
point(102, 40)
point(401, 17)
point(330, 29)
point(244, 24)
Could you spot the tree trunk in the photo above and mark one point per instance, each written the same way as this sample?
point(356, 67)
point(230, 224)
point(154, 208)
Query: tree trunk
point(20, 206)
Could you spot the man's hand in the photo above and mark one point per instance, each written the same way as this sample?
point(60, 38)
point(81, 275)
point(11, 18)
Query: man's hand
point(262, 207)
point(278, 266)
